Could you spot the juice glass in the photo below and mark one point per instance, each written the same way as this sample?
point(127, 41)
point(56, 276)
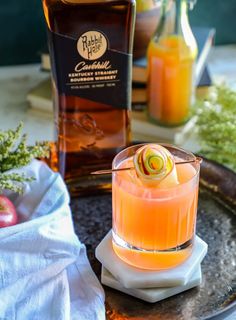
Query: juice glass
point(154, 227)
point(170, 80)
point(171, 57)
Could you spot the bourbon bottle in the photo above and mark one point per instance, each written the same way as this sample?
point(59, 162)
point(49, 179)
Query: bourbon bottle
point(90, 45)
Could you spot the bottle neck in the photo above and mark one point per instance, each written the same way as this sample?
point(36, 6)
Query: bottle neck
point(174, 21)
point(173, 18)
point(181, 16)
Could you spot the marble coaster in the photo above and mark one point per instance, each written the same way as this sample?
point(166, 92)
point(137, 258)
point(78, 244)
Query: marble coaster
point(152, 294)
point(131, 277)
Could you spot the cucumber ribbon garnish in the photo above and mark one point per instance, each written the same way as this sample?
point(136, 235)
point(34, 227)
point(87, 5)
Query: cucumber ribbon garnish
point(153, 163)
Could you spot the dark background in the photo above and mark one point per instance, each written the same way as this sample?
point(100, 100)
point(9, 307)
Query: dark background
point(23, 36)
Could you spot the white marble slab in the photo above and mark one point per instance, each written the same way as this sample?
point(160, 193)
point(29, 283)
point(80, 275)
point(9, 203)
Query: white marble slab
point(131, 277)
point(151, 295)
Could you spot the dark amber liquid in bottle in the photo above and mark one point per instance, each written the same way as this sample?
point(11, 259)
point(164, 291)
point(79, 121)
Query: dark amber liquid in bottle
point(89, 134)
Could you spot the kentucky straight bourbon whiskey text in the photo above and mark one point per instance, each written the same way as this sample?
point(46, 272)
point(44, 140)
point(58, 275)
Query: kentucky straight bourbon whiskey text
point(90, 44)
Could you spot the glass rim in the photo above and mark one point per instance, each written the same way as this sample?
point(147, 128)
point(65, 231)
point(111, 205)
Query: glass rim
point(197, 169)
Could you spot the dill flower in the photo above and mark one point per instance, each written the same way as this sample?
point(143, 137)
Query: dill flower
point(216, 125)
point(14, 154)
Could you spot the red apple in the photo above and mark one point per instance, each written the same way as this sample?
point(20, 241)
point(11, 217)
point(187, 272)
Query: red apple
point(8, 215)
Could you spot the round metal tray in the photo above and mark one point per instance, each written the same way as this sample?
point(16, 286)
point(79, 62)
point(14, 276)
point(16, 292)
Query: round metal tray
point(216, 224)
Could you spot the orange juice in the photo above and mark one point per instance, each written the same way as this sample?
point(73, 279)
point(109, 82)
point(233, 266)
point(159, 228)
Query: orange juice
point(153, 228)
point(170, 79)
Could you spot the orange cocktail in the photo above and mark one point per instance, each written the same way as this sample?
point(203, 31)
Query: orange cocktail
point(154, 223)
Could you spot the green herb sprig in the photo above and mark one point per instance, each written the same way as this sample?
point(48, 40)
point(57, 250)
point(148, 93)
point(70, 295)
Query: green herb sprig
point(216, 125)
point(14, 154)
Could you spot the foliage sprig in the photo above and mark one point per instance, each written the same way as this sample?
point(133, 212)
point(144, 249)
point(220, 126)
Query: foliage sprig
point(216, 125)
point(14, 154)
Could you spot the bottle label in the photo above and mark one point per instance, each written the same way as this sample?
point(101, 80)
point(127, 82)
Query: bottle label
point(88, 68)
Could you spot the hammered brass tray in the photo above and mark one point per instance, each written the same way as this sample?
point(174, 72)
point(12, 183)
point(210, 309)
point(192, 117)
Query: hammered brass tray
point(216, 224)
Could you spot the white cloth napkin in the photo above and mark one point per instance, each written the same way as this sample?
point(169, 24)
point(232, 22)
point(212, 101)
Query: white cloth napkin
point(44, 270)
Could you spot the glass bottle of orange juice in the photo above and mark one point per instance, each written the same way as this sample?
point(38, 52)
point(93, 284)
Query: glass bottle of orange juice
point(171, 56)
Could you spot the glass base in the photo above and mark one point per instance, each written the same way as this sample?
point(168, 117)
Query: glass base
point(151, 259)
point(166, 124)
